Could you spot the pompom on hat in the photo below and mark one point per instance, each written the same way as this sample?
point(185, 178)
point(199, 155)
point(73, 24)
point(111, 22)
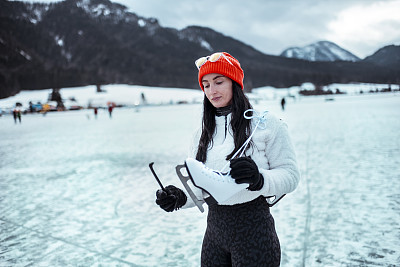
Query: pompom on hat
point(225, 64)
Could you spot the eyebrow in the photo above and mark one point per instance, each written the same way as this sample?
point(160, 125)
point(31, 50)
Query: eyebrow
point(216, 77)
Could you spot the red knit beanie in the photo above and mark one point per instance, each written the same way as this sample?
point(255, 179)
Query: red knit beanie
point(231, 70)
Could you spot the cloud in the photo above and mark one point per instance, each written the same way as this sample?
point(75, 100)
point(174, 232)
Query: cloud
point(365, 27)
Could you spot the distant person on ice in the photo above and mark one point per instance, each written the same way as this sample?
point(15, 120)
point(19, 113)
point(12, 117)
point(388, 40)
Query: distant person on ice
point(110, 110)
point(283, 102)
point(240, 231)
point(17, 115)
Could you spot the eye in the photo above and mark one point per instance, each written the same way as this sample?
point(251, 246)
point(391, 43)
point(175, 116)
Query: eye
point(219, 81)
point(206, 85)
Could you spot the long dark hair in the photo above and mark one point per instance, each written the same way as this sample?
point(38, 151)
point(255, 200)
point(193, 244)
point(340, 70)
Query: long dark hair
point(241, 127)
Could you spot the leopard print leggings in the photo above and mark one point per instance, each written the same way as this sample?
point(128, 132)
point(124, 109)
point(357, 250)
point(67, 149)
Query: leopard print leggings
point(240, 235)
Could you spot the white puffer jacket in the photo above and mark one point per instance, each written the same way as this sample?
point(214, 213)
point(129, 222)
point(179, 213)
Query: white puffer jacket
point(272, 152)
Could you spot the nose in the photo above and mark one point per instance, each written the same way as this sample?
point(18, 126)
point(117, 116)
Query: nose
point(213, 89)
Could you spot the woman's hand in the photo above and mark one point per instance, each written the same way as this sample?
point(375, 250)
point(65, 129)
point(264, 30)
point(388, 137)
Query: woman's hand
point(170, 199)
point(245, 170)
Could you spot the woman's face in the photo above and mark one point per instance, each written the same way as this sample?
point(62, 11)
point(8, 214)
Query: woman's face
point(218, 89)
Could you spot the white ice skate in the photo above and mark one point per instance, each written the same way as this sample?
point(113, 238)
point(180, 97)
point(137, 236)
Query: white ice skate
point(218, 185)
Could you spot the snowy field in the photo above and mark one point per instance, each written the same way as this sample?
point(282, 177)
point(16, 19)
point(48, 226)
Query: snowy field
point(121, 94)
point(77, 191)
point(131, 95)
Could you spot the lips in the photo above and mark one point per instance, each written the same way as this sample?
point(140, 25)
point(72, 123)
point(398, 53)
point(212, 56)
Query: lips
point(216, 98)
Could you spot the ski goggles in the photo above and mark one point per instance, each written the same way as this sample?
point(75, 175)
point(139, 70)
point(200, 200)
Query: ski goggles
point(212, 58)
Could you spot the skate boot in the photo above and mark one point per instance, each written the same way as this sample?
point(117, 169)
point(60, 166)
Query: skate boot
point(218, 185)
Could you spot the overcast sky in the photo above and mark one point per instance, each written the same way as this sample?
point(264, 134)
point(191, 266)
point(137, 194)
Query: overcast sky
point(360, 26)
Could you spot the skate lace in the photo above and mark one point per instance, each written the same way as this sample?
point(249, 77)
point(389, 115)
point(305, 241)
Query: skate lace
point(260, 123)
point(219, 177)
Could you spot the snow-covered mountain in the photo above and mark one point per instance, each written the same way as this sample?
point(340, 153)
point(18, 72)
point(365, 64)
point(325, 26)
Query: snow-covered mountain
point(320, 51)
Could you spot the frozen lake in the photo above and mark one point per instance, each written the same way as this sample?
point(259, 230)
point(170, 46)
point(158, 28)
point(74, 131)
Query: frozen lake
point(76, 191)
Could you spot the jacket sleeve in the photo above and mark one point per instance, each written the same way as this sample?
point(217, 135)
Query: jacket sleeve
point(282, 175)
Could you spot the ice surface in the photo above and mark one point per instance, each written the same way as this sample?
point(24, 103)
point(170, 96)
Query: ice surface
point(76, 191)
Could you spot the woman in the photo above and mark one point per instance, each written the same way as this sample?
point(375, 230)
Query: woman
point(240, 231)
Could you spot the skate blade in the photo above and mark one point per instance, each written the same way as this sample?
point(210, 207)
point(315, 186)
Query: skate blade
point(272, 200)
point(184, 180)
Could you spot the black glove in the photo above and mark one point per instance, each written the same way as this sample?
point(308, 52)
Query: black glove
point(245, 170)
point(171, 199)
